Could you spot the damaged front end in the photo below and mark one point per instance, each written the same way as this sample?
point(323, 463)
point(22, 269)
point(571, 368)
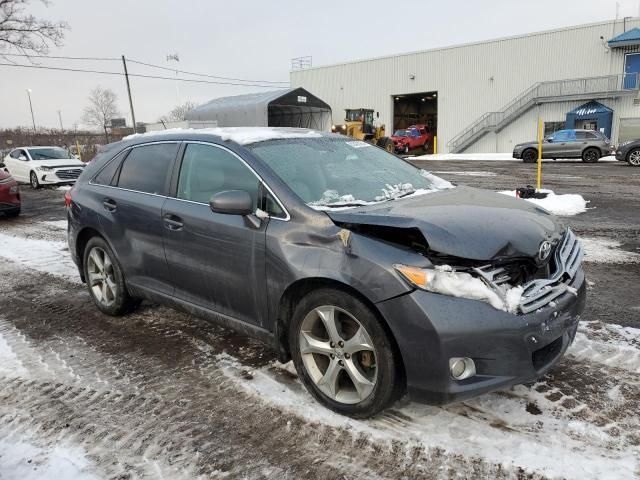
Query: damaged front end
point(517, 285)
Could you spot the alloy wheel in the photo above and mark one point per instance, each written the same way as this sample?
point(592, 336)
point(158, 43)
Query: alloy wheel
point(634, 158)
point(34, 181)
point(338, 354)
point(101, 277)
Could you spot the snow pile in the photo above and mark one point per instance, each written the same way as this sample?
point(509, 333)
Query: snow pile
point(10, 365)
point(563, 205)
point(607, 344)
point(394, 191)
point(21, 459)
point(462, 285)
point(42, 255)
point(468, 156)
point(240, 135)
point(604, 250)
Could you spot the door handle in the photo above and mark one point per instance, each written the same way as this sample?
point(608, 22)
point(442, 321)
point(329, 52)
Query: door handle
point(173, 222)
point(109, 205)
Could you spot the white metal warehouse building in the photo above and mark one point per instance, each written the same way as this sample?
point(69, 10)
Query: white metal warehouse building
point(487, 96)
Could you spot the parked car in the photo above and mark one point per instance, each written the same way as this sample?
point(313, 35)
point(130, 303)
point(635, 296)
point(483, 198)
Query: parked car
point(43, 166)
point(415, 136)
point(588, 145)
point(366, 271)
point(629, 152)
point(9, 194)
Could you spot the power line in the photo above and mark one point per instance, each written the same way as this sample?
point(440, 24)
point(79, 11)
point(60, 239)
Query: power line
point(147, 65)
point(56, 57)
point(202, 74)
point(191, 80)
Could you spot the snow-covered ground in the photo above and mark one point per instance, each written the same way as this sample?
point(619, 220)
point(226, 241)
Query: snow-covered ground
point(497, 156)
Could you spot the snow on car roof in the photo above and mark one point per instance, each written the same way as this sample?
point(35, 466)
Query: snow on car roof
point(240, 135)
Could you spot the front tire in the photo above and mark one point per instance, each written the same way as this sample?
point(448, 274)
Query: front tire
point(33, 179)
point(343, 354)
point(387, 144)
point(105, 279)
point(633, 157)
point(530, 156)
point(591, 155)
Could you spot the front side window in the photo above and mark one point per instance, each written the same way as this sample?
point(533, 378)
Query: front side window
point(54, 153)
point(207, 170)
point(332, 172)
point(147, 168)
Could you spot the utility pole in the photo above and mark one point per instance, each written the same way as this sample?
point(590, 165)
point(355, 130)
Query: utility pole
point(60, 118)
point(33, 119)
point(126, 76)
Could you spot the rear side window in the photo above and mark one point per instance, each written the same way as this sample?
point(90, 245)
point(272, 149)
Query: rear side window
point(105, 177)
point(207, 170)
point(147, 168)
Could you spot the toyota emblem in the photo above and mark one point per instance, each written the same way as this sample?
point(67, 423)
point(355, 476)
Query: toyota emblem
point(544, 251)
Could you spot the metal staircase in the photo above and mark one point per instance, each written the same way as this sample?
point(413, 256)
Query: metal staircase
point(592, 88)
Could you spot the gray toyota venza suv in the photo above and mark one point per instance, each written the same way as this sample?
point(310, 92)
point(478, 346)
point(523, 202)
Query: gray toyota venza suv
point(375, 277)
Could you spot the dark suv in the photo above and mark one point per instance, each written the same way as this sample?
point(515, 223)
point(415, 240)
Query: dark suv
point(375, 277)
point(588, 145)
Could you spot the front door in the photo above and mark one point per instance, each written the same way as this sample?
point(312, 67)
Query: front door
point(216, 261)
point(631, 71)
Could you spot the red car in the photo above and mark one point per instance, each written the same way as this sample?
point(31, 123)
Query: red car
point(9, 194)
point(415, 136)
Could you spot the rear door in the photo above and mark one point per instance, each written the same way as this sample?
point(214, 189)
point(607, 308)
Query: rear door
point(216, 261)
point(131, 209)
point(19, 169)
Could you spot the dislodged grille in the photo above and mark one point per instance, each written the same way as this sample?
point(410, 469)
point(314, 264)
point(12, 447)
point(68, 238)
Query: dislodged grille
point(69, 173)
point(541, 292)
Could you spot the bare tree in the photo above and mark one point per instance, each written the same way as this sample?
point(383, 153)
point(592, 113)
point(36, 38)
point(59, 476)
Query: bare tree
point(101, 109)
point(178, 112)
point(24, 32)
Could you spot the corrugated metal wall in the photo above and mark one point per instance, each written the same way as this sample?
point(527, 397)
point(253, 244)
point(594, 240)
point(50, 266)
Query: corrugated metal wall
point(474, 79)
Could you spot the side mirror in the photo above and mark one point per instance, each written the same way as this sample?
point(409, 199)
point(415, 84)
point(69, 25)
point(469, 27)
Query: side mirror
point(548, 140)
point(23, 158)
point(232, 202)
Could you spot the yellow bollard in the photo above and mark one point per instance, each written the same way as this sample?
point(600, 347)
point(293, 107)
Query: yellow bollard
point(78, 150)
point(435, 144)
point(540, 133)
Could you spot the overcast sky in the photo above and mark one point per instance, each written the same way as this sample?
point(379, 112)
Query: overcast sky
point(253, 39)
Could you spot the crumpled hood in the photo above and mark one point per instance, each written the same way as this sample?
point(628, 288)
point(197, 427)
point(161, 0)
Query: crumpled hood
point(465, 222)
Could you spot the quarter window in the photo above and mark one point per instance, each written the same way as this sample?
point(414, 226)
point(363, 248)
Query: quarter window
point(147, 168)
point(105, 177)
point(207, 170)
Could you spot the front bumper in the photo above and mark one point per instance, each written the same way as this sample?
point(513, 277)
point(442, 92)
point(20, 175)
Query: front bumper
point(507, 349)
point(517, 154)
point(621, 154)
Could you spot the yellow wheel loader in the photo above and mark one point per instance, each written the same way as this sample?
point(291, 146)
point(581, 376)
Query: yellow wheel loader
point(359, 124)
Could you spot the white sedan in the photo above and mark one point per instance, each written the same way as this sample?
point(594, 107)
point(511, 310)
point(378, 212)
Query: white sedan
point(43, 166)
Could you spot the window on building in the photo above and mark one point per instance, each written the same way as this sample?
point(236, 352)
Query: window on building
point(552, 127)
point(146, 168)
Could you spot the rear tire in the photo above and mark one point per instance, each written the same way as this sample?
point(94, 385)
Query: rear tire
point(591, 155)
point(332, 363)
point(33, 179)
point(426, 147)
point(633, 157)
point(105, 279)
point(406, 150)
point(530, 155)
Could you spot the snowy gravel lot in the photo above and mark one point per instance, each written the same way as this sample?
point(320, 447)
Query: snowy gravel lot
point(160, 394)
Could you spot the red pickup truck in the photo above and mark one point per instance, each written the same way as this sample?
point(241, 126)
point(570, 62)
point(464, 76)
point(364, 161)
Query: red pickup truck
point(415, 136)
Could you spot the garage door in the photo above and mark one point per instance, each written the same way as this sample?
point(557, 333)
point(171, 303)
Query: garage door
point(629, 129)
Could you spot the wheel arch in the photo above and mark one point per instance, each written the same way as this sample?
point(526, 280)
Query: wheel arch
point(82, 239)
point(302, 287)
